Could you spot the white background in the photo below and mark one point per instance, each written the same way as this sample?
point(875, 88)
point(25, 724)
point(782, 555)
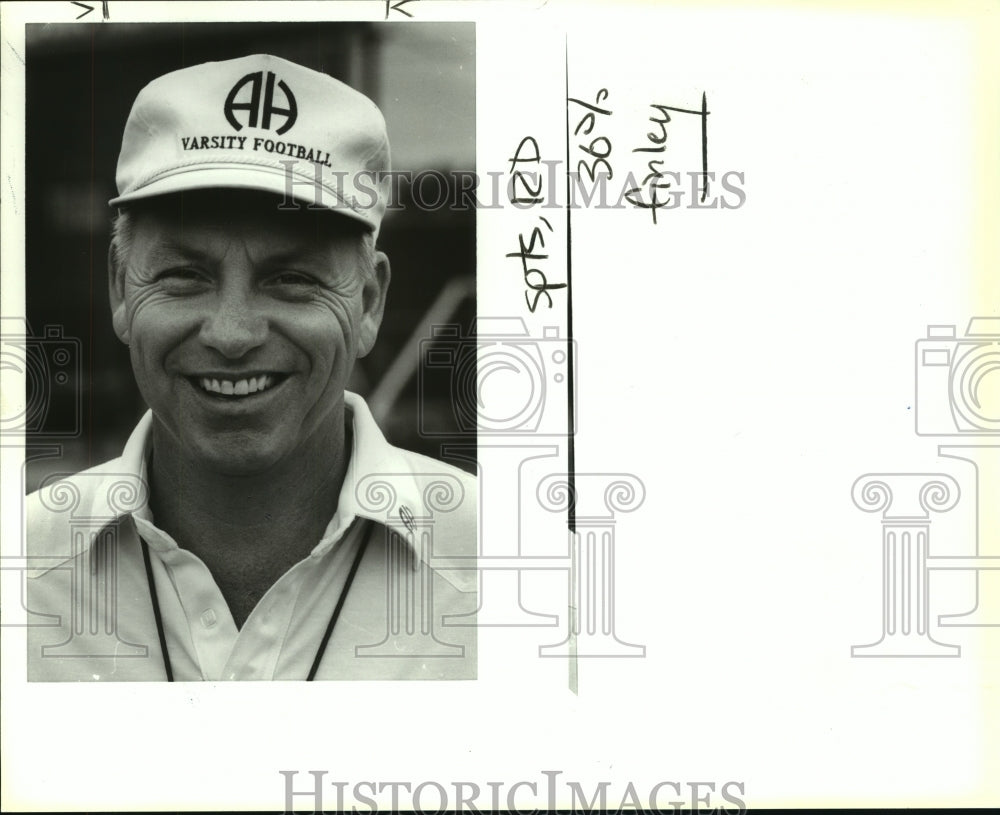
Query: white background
point(747, 365)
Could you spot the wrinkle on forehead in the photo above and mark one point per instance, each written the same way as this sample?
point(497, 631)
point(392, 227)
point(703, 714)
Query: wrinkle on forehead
point(215, 223)
point(257, 248)
point(231, 208)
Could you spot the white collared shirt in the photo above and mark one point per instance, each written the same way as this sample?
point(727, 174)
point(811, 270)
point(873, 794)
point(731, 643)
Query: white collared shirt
point(282, 636)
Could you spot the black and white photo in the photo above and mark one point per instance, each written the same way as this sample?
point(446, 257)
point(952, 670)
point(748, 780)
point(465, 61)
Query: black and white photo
point(255, 523)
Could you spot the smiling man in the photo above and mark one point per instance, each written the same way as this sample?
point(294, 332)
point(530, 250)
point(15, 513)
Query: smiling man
point(257, 525)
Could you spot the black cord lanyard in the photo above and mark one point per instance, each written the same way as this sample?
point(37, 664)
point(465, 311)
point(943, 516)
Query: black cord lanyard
point(156, 609)
point(326, 634)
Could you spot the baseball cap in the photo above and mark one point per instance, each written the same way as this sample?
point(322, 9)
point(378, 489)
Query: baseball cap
point(259, 123)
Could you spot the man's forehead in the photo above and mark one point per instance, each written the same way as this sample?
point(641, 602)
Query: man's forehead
point(239, 214)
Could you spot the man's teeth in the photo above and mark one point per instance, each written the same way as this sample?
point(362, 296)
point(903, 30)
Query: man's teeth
point(239, 387)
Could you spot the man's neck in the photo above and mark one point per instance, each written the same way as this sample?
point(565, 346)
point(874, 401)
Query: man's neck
point(249, 529)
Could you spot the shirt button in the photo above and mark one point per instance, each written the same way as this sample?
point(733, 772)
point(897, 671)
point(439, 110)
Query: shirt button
point(208, 618)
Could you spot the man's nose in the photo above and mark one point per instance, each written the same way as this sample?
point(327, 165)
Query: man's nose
point(238, 325)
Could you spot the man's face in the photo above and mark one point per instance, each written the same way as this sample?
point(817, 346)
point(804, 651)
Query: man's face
point(244, 323)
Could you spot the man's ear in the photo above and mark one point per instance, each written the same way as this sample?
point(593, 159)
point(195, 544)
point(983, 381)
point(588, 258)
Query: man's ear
point(374, 292)
point(116, 293)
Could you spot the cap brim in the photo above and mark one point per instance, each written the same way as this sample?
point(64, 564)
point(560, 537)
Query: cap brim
point(243, 177)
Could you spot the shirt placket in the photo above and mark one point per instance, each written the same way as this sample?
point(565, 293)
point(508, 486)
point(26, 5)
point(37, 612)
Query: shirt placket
point(206, 616)
point(258, 644)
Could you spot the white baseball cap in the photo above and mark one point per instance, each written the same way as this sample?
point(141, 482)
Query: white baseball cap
point(257, 123)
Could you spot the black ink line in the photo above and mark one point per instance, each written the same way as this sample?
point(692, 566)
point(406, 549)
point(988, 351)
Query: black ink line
point(704, 145)
point(701, 112)
point(90, 247)
point(587, 105)
point(397, 6)
point(570, 376)
point(84, 6)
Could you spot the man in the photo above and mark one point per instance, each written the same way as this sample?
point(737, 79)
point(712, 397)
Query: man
point(257, 525)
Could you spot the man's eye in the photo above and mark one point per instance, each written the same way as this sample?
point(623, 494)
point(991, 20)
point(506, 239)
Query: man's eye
point(181, 277)
point(292, 279)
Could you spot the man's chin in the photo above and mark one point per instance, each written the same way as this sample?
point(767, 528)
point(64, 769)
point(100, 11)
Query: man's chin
point(241, 456)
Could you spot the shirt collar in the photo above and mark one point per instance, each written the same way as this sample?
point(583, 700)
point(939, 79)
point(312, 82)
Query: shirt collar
point(372, 459)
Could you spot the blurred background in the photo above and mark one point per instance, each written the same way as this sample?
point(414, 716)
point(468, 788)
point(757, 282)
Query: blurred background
point(81, 82)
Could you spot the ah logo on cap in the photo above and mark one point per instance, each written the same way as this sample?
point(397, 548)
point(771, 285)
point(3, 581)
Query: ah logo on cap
point(339, 159)
point(253, 107)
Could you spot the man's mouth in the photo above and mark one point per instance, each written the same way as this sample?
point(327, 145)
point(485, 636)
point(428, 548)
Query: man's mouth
point(238, 388)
